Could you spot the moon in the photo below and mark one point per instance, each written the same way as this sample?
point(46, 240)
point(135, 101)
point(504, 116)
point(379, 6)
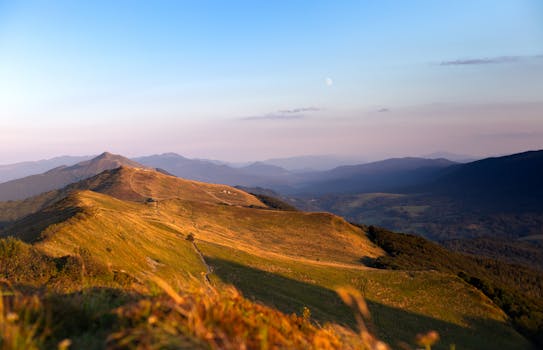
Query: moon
point(328, 81)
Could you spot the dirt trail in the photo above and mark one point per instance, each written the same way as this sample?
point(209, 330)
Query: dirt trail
point(209, 269)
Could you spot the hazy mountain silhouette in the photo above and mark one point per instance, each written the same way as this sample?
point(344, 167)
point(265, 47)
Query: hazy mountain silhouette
point(382, 176)
point(312, 162)
point(18, 170)
point(254, 174)
point(512, 182)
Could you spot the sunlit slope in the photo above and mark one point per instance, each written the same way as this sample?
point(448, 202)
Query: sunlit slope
point(317, 237)
point(62, 176)
point(137, 184)
point(403, 303)
point(132, 184)
point(118, 234)
point(101, 222)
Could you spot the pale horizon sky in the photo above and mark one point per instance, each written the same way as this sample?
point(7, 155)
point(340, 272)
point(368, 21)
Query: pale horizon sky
point(246, 80)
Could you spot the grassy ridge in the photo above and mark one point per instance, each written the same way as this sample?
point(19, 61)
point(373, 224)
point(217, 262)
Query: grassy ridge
point(120, 234)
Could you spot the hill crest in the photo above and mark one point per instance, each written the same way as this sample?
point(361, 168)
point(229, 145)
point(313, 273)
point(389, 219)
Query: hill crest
point(61, 176)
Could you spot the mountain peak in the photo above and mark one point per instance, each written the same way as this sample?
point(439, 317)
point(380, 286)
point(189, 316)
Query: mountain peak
point(106, 155)
point(61, 176)
point(106, 161)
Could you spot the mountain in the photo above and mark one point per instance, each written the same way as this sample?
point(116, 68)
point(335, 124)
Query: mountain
point(18, 170)
point(312, 163)
point(61, 176)
point(253, 174)
point(510, 182)
point(371, 177)
point(264, 170)
point(382, 176)
point(494, 197)
point(97, 248)
point(459, 158)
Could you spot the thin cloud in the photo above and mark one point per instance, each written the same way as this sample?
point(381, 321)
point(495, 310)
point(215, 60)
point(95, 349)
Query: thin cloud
point(285, 114)
point(488, 60)
point(299, 110)
point(383, 110)
point(274, 117)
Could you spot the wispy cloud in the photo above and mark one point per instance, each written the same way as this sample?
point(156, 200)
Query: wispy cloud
point(383, 110)
point(488, 60)
point(285, 114)
point(299, 110)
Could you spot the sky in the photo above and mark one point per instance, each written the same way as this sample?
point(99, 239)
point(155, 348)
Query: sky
point(247, 80)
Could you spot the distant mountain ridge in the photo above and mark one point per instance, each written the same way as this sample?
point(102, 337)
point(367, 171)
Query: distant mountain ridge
point(382, 175)
point(493, 197)
point(498, 181)
point(254, 174)
point(399, 175)
point(387, 175)
point(61, 176)
point(14, 171)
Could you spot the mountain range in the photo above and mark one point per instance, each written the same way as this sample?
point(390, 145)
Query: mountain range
point(507, 184)
point(384, 174)
point(125, 227)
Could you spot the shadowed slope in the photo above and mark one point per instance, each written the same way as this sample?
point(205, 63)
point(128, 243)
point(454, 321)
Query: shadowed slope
point(403, 303)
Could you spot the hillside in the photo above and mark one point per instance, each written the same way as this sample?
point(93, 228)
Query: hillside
point(518, 290)
point(298, 259)
point(135, 184)
point(59, 177)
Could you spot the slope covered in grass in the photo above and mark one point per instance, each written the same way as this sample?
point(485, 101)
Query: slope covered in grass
point(517, 289)
point(119, 234)
point(403, 303)
point(132, 184)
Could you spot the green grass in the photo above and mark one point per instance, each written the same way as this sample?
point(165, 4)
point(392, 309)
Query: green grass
point(402, 303)
point(117, 234)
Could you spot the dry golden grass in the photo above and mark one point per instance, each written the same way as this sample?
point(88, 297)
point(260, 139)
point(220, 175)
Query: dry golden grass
point(200, 318)
point(136, 237)
point(138, 184)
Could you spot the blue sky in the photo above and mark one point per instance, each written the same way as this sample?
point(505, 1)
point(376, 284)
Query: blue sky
point(240, 80)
